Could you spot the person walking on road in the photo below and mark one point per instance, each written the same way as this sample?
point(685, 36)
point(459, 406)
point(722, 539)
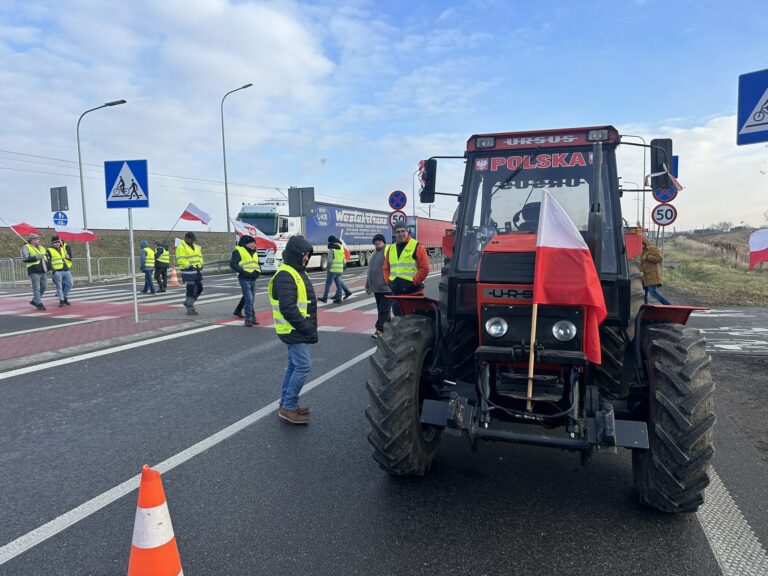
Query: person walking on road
point(147, 266)
point(294, 309)
point(245, 261)
point(162, 261)
point(336, 261)
point(406, 266)
point(36, 259)
point(376, 283)
point(650, 264)
point(61, 264)
point(189, 257)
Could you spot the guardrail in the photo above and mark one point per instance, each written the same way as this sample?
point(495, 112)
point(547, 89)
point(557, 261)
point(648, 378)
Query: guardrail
point(13, 271)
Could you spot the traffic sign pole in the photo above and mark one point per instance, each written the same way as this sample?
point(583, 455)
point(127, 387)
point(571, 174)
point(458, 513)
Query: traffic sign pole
point(133, 268)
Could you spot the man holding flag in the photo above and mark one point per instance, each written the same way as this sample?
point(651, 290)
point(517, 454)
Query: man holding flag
point(189, 257)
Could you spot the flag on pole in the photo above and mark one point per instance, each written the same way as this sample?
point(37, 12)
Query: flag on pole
point(758, 247)
point(262, 240)
point(347, 253)
point(21, 228)
point(71, 234)
point(565, 273)
point(192, 212)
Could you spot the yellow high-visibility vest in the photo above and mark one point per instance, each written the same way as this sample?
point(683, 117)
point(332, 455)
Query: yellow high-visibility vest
point(59, 258)
point(35, 250)
point(189, 256)
point(337, 266)
point(164, 258)
point(282, 326)
point(149, 261)
point(249, 262)
point(404, 265)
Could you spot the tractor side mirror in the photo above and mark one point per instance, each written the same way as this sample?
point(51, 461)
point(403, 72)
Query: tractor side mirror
point(427, 175)
point(661, 163)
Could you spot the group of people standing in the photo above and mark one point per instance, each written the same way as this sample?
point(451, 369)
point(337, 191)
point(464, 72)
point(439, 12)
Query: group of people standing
point(40, 260)
point(155, 261)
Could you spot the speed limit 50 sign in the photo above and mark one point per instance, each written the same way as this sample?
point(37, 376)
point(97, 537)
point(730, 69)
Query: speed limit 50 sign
point(664, 214)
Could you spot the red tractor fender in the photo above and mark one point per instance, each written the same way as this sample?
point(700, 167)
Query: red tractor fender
point(410, 303)
point(650, 313)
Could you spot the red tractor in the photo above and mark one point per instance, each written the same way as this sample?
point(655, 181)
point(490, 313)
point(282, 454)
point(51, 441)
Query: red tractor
point(460, 364)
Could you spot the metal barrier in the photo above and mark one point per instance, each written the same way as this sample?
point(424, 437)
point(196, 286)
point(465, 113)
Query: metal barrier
point(13, 271)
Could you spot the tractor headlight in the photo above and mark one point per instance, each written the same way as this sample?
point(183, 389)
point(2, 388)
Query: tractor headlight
point(497, 327)
point(563, 330)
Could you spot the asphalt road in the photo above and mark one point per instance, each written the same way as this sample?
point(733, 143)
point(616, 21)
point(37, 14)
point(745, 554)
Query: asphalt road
point(278, 499)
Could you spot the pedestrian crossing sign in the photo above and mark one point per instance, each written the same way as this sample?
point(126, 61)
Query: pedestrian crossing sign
point(127, 183)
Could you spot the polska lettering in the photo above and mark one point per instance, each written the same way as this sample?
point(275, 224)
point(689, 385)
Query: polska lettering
point(541, 161)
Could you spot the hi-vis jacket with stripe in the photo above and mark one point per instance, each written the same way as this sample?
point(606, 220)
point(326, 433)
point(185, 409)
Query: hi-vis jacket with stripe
point(294, 305)
point(189, 256)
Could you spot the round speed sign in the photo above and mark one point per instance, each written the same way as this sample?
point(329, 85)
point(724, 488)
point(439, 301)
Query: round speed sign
point(664, 214)
point(397, 217)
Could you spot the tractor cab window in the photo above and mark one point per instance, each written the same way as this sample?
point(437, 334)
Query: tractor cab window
point(504, 197)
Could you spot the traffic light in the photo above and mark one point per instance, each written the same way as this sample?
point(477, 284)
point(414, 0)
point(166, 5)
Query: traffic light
point(427, 175)
point(661, 161)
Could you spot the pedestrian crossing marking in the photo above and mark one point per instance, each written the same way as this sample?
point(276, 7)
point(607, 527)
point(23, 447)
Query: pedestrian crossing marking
point(757, 121)
point(125, 187)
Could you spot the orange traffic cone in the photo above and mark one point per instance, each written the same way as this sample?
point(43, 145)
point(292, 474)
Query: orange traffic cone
point(174, 281)
point(153, 550)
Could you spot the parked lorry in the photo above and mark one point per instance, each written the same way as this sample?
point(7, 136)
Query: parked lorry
point(478, 362)
point(354, 226)
point(429, 231)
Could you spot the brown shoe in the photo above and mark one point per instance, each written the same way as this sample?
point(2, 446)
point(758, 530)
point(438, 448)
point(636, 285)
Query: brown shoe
point(293, 416)
point(303, 410)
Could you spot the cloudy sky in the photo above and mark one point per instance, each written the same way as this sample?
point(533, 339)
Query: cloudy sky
point(348, 96)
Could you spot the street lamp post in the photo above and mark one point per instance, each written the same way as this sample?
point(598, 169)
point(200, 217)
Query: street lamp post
point(224, 153)
point(644, 174)
point(638, 191)
point(82, 187)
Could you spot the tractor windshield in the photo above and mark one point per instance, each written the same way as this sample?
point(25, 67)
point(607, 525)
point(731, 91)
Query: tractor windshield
point(504, 195)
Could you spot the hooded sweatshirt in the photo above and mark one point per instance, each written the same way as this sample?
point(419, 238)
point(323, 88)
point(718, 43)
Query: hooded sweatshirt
point(375, 282)
point(234, 261)
point(144, 244)
point(284, 288)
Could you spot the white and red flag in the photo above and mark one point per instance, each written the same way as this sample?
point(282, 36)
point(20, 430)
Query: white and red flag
point(262, 240)
point(347, 253)
point(192, 212)
point(758, 247)
point(21, 228)
point(71, 234)
point(565, 273)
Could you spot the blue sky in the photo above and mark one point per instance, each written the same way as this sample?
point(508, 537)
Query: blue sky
point(348, 96)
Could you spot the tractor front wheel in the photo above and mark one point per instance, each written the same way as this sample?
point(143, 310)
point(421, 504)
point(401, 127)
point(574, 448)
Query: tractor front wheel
point(671, 476)
point(401, 444)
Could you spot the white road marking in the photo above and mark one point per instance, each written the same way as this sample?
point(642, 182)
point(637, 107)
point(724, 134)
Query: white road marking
point(212, 300)
point(54, 326)
point(69, 316)
point(57, 525)
point(35, 314)
point(97, 353)
point(734, 544)
point(329, 328)
point(345, 307)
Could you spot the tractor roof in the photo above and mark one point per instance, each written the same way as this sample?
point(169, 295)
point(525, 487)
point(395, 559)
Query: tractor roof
point(541, 138)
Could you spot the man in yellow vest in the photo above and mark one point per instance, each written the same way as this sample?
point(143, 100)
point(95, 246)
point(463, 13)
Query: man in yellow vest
point(294, 310)
point(61, 264)
point(406, 266)
point(189, 257)
point(245, 261)
point(35, 257)
point(147, 266)
point(336, 260)
point(162, 261)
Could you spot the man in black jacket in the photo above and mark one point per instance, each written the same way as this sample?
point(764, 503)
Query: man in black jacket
point(294, 309)
point(245, 261)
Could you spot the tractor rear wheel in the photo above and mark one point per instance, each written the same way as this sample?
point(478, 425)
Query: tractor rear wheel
point(608, 375)
point(401, 444)
point(671, 476)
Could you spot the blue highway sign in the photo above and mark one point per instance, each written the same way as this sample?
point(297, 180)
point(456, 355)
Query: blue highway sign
point(127, 183)
point(397, 200)
point(752, 119)
point(60, 219)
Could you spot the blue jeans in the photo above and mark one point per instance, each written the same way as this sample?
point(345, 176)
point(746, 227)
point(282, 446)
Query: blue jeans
point(63, 282)
point(656, 294)
point(299, 366)
point(39, 284)
point(148, 285)
point(334, 278)
point(248, 288)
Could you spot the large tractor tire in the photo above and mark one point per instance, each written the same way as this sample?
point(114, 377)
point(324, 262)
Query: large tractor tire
point(401, 445)
point(671, 476)
point(608, 375)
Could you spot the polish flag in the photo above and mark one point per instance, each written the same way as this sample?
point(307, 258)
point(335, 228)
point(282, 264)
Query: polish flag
point(758, 247)
point(70, 234)
point(21, 228)
point(262, 240)
point(565, 273)
point(347, 253)
point(192, 212)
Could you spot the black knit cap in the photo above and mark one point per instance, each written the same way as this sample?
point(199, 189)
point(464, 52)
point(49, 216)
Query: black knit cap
point(379, 237)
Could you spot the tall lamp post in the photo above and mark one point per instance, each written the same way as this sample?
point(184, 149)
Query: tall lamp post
point(224, 152)
point(82, 187)
point(638, 191)
point(644, 174)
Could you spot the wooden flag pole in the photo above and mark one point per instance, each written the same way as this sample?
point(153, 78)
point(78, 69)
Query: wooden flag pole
point(529, 403)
